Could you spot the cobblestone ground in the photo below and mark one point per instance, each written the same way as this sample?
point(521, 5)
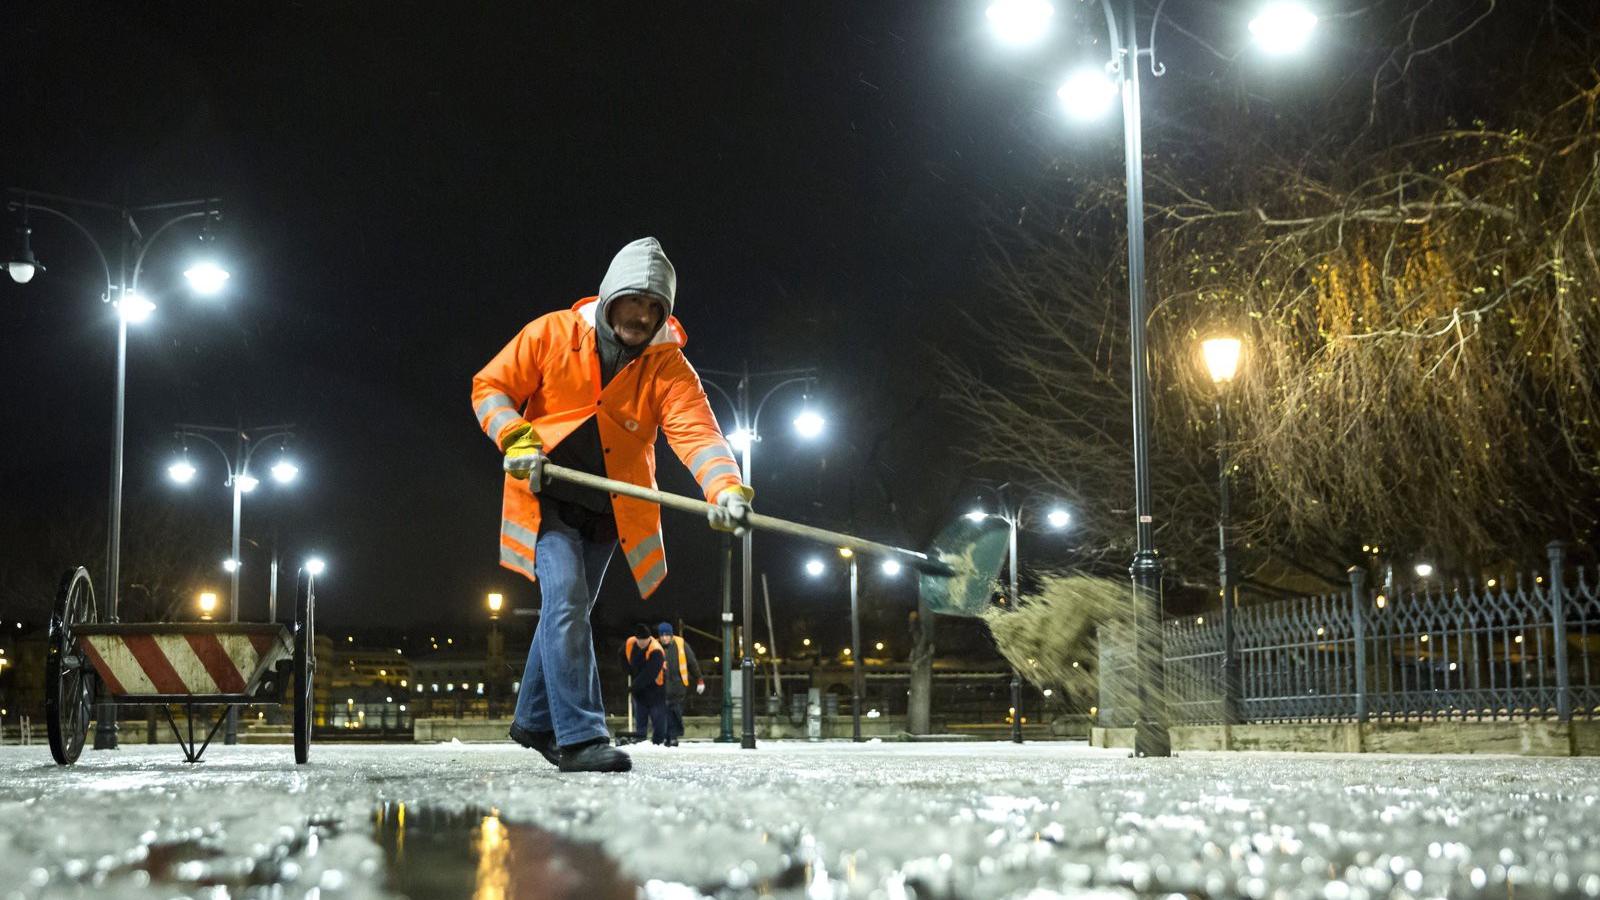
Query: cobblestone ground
point(794, 820)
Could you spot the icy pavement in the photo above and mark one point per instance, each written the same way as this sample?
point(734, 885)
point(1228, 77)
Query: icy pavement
point(794, 820)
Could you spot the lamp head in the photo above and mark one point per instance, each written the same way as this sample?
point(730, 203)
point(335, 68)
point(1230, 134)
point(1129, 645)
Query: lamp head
point(1222, 357)
point(181, 471)
point(1019, 22)
point(23, 265)
point(1087, 93)
point(1283, 27)
point(809, 424)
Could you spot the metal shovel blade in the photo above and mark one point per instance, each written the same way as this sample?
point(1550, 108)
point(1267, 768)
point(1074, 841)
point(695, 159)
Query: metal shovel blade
point(975, 550)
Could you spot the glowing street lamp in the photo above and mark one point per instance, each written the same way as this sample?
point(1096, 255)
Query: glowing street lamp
point(1280, 27)
point(815, 568)
point(1087, 94)
point(315, 566)
point(135, 308)
point(892, 567)
point(230, 565)
point(1058, 518)
point(1222, 357)
point(181, 471)
point(1283, 28)
point(206, 278)
point(976, 515)
point(247, 483)
point(1019, 22)
point(809, 424)
point(284, 471)
point(1423, 569)
point(1221, 354)
point(496, 601)
point(208, 604)
point(747, 433)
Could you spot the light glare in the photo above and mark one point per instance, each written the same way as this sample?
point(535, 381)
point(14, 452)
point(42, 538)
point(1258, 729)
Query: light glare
point(206, 278)
point(809, 424)
point(1282, 28)
point(892, 567)
point(135, 308)
point(740, 439)
point(284, 471)
point(315, 566)
point(976, 515)
point(247, 483)
point(1019, 22)
point(1423, 570)
point(1222, 357)
point(814, 567)
point(1087, 93)
point(181, 471)
point(230, 565)
point(1058, 518)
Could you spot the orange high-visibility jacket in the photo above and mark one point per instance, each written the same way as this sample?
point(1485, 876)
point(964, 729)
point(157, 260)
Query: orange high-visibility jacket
point(683, 658)
point(549, 376)
point(650, 645)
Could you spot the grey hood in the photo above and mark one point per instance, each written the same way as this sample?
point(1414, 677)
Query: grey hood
point(641, 267)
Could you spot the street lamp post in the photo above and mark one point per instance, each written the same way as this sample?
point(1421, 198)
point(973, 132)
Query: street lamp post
point(725, 735)
point(744, 438)
point(204, 276)
point(496, 654)
point(1281, 27)
point(246, 442)
point(1222, 363)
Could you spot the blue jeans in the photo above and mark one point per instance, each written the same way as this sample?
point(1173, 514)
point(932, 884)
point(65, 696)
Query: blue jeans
point(561, 682)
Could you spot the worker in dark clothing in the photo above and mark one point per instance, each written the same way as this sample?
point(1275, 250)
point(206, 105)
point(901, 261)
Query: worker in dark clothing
point(646, 666)
point(681, 666)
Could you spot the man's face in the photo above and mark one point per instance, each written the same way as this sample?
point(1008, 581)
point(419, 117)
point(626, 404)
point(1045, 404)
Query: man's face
point(635, 318)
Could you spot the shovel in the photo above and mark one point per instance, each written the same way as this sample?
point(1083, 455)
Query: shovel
point(956, 577)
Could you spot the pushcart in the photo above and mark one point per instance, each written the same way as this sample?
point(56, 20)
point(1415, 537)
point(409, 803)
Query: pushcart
point(195, 666)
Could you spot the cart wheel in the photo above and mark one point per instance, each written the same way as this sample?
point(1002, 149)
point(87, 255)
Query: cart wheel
point(69, 679)
point(305, 663)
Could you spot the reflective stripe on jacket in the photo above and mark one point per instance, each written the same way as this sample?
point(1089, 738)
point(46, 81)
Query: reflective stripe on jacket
point(549, 376)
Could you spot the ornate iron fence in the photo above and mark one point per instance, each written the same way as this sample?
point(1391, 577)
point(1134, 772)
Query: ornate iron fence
point(1527, 649)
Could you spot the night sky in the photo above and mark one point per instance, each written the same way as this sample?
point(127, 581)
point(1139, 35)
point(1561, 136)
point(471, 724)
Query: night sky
point(404, 188)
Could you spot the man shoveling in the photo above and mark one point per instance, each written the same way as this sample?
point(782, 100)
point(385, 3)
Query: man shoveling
point(590, 386)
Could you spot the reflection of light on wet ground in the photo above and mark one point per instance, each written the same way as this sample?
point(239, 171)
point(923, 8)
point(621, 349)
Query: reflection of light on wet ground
point(438, 853)
point(494, 860)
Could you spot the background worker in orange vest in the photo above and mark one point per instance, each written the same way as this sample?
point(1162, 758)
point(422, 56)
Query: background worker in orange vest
point(591, 386)
point(645, 661)
point(681, 666)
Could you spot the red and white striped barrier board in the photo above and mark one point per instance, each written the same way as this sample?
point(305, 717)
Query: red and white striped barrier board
point(134, 661)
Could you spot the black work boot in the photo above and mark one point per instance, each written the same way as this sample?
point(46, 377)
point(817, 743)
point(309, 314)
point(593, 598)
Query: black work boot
point(594, 756)
point(542, 741)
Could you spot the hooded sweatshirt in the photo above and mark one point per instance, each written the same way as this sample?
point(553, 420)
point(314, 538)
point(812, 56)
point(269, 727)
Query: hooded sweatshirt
point(641, 267)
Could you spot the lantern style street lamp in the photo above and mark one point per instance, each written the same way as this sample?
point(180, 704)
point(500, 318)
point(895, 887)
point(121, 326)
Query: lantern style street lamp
point(1221, 356)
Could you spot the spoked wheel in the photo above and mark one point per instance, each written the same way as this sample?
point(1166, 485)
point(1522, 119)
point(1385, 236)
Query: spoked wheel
point(69, 679)
point(305, 663)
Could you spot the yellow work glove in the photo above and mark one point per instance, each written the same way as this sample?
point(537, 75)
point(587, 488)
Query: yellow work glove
point(524, 451)
point(732, 509)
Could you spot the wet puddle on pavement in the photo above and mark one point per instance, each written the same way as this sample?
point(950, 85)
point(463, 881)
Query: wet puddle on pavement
point(434, 853)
